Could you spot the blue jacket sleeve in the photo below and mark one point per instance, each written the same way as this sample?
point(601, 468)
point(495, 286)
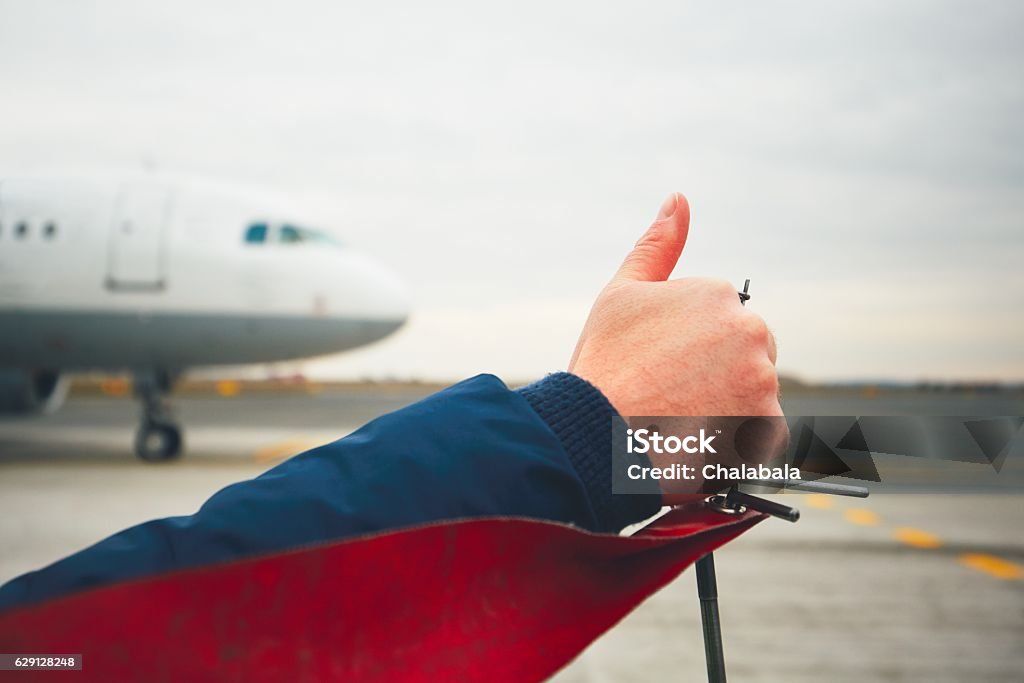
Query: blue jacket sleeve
point(475, 449)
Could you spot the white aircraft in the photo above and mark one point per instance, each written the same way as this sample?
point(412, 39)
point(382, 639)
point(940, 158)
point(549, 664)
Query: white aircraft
point(153, 275)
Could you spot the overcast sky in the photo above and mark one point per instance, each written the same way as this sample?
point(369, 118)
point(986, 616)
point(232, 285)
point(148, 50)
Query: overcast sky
point(862, 162)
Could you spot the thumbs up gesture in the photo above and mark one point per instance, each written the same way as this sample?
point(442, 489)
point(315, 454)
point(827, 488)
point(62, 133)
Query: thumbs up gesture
point(656, 346)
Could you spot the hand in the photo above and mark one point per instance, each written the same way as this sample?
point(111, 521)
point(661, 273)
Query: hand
point(655, 346)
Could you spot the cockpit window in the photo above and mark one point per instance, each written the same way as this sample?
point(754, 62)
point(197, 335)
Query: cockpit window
point(256, 233)
point(287, 233)
point(291, 234)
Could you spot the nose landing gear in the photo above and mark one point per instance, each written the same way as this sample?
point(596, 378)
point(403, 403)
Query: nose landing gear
point(159, 437)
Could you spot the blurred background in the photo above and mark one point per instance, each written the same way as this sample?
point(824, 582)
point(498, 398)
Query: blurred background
point(860, 162)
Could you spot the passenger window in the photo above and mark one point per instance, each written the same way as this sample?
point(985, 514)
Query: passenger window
point(50, 230)
point(21, 230)
point(256, 234)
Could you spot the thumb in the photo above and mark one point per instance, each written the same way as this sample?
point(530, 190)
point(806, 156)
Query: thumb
point(655, 255)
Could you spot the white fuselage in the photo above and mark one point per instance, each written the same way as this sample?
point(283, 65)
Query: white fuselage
point(152, 272)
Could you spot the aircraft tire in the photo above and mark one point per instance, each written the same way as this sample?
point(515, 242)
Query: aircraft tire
point(158, 442)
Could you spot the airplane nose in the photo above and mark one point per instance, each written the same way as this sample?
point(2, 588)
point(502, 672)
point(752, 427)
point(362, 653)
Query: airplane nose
point(369, 294)
point(392, 299)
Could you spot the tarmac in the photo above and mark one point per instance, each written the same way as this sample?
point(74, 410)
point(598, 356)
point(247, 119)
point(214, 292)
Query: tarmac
point(923, 581)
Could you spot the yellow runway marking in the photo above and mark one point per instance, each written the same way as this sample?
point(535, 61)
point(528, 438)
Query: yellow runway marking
point(116, 387)
point(917, 538)
point(990, 564)
point(284, 449)
point(862, 517)
point(228, 387)
point(819, 501)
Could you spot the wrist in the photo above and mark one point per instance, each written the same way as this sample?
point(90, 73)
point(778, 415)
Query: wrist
point(581, 416)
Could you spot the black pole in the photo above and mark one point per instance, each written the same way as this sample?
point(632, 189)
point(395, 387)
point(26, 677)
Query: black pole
point(707, 590)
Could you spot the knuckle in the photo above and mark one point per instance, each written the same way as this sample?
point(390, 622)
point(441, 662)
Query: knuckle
point(710, 288)
point(764, 380)
point(756, 329)
point(744, 327)
point(735, 328)
point(722, 288)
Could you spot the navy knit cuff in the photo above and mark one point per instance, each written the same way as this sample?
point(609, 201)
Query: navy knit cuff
point(581, 417)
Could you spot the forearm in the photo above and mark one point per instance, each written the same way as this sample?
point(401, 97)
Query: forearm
point(473, 450)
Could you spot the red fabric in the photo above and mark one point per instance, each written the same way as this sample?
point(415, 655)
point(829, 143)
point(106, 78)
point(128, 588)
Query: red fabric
point(478, 600)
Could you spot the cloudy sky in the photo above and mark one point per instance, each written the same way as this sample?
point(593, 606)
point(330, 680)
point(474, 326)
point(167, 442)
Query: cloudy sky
point(862, 162)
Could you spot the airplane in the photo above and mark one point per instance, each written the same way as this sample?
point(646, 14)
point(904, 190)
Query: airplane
point(153, 274)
